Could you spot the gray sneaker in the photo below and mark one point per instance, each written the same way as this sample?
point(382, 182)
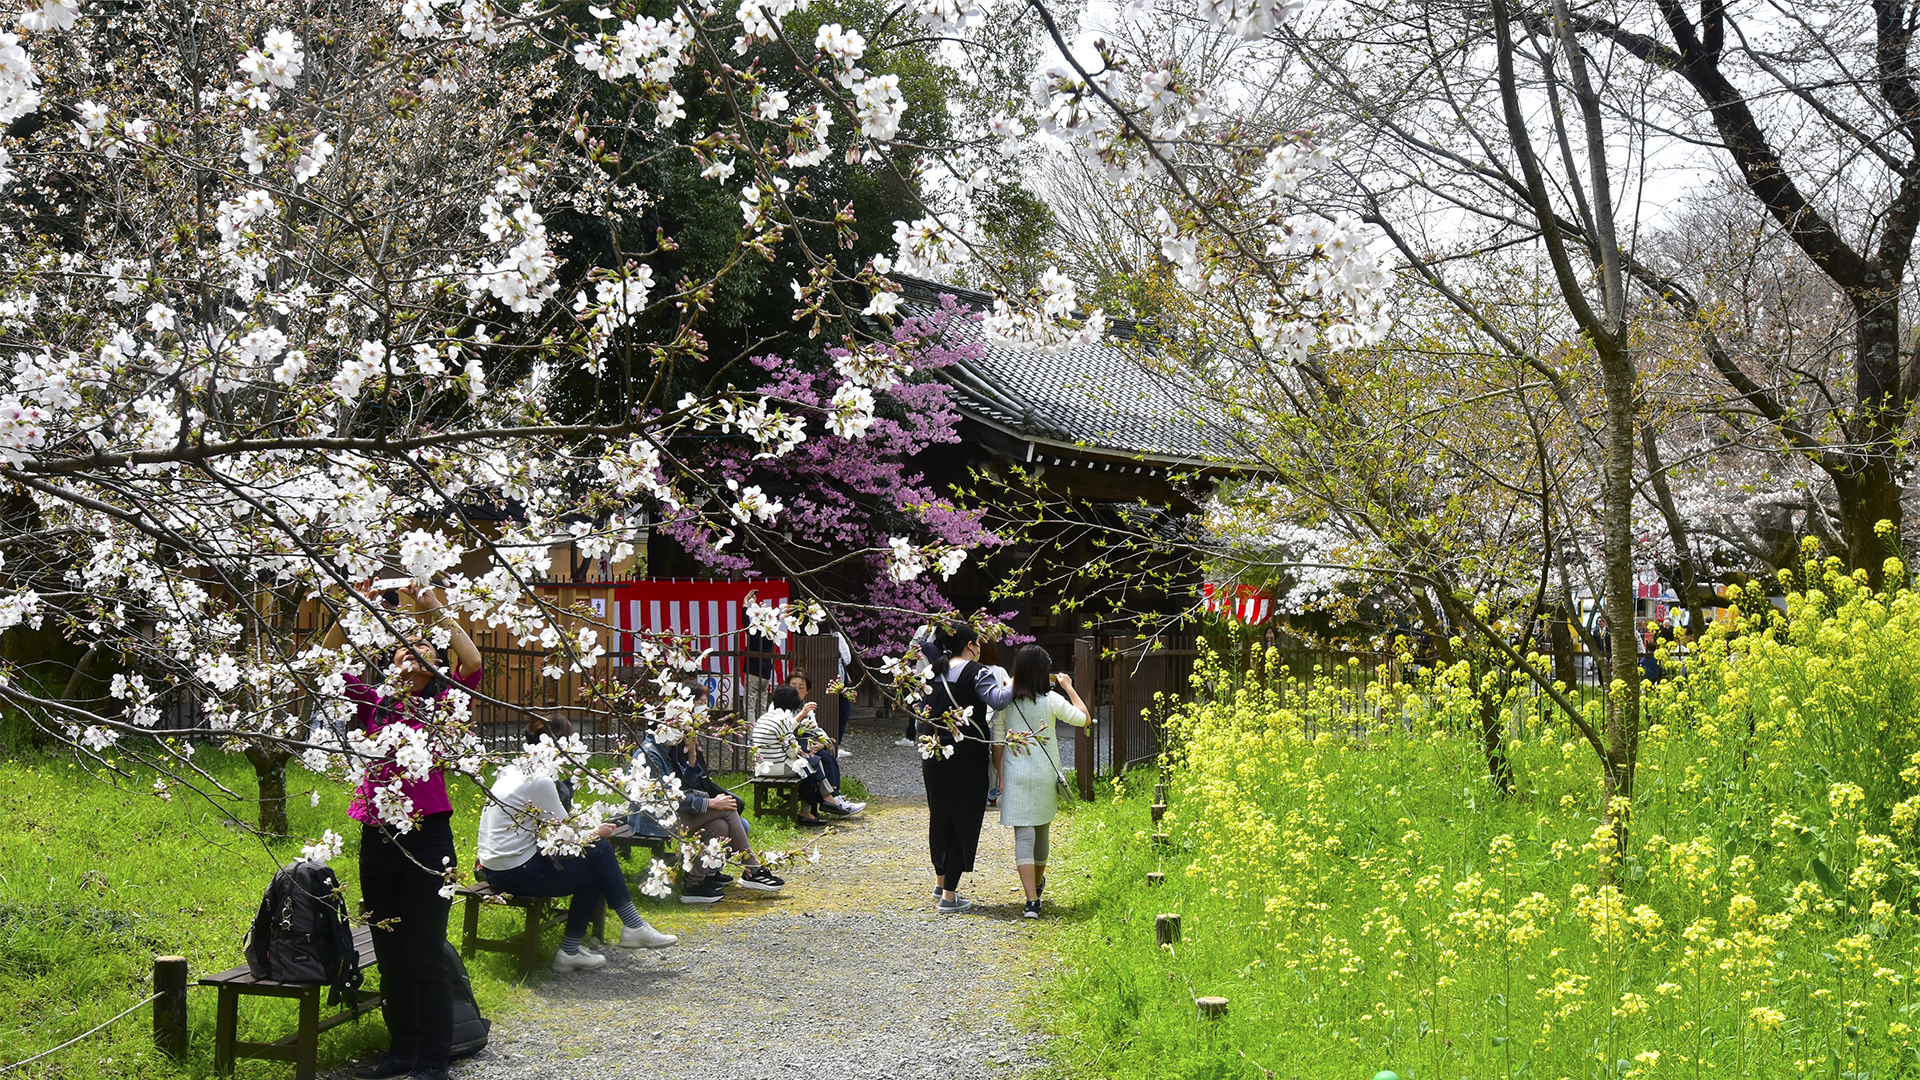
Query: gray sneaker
point(953, 906)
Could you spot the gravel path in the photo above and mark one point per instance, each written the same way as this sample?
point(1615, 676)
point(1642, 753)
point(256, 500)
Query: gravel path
point(844, 975)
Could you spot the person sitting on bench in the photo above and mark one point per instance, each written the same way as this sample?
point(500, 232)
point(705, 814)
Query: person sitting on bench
point(511, 862)
point(706, 810)
point(788, 741)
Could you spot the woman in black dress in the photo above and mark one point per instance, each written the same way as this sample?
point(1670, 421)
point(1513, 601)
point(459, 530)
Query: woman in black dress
point(959, 708)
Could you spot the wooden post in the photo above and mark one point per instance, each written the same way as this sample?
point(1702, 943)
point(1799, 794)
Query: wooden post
point(1161, 839)
point(1211, 1008)
point(1166, 929)
point(170, 1008)
point(1159, 810)
point(1086, 675)
point(1155, 877)
point(1160, 793)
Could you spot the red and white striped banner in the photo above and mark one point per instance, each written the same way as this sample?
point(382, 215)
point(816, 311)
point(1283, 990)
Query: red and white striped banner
point(1249, 604)
point(713, 614)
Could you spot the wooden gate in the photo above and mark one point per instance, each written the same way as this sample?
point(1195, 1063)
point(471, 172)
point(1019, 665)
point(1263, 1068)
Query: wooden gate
point(1131, 684)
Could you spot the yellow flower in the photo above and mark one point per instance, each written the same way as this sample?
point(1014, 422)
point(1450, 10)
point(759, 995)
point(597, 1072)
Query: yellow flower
point(1741, 910)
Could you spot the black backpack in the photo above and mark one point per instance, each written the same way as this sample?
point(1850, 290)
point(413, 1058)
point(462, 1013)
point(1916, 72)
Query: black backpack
point(469, 1027)
point(301, 933)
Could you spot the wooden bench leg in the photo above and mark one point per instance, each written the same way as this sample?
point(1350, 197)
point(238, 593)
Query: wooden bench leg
point(471, 932)
point(530, 938)
point(307, 1041)
point(226, 1021)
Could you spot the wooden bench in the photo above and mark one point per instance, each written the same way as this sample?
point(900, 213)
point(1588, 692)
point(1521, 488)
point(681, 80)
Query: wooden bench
point(302, 1048)
point(543, 913)
point(656, 842)
point(776, 795)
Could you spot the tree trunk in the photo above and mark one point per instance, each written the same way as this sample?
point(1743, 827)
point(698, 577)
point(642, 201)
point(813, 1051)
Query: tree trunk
point(1493, 730)
point(1616, 540)
point(1869, 495)
point(270, 771)
point(1560, 634)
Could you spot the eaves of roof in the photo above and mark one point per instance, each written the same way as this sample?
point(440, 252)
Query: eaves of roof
point(1096, 399)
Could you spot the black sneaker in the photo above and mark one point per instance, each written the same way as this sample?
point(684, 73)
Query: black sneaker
point(719, 878)
point(1032, 910)
point(700, 892)
point(761, 878)
point(384, 1069)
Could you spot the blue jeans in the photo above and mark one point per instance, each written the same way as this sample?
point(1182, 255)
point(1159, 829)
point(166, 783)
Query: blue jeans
point(588, 877)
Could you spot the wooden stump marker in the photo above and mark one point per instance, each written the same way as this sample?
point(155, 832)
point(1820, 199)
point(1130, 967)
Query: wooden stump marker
point(1161, 839)
point(1211, 1008)
point(170, 1007)
point(1155, 877)
point(1159, 811)
point(1160, 793)
point(1166, 929)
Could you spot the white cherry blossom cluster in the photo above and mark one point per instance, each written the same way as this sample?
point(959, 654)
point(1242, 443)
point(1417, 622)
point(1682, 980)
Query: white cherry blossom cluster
point(524, 277)
point(777, 620)
point(751, 504)
point(905, 561)
point(617, 299)
point(874, 367)
point(1052, 324)
point(1248, 18)
point(278, 61)
point(775, 432)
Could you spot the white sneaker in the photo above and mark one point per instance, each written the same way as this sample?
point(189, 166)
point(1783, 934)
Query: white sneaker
point(578, 961)
point(645, 937)
point(904, 741)
point(845, 754)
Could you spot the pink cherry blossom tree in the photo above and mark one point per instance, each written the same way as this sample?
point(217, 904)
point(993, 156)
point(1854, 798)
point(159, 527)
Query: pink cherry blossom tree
point(854, 498)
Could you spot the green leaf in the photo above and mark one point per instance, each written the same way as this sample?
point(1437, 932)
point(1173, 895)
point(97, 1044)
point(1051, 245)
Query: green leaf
point(1825, 875)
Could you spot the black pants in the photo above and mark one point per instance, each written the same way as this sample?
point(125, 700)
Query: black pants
point(589, 877)
point(956, 806)
point(400, 884)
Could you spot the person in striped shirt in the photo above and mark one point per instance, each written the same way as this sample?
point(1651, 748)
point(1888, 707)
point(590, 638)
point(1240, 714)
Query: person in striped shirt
point(786, 742)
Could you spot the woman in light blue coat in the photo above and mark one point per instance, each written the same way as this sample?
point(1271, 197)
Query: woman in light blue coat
point(1027, 752)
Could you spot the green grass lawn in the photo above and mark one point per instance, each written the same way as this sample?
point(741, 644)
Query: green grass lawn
point(97, 879)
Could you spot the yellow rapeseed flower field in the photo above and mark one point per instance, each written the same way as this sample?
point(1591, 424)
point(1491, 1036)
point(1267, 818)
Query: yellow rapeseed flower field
point(1368, 901)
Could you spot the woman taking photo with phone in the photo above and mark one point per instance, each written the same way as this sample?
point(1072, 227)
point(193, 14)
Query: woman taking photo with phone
point(406, 837)
point(1027, 753)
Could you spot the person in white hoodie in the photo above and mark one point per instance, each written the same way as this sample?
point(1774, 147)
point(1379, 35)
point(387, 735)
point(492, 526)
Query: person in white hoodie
point(511, 862)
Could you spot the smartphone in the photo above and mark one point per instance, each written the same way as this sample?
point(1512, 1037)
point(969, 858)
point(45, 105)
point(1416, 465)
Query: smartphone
point(389, 589)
